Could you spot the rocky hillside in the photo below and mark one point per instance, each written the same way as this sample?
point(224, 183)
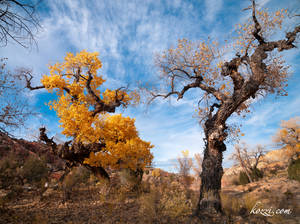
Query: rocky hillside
point(22, 149)
point(271, 163)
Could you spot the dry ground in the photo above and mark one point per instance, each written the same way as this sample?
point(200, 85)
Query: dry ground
point(88, 205)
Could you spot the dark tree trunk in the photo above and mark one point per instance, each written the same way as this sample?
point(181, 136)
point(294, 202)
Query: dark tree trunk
point(209, 206)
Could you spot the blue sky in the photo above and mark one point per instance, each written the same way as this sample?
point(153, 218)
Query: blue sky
point(127, 34)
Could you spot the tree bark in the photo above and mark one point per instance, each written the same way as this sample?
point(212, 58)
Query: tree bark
point(209, 205)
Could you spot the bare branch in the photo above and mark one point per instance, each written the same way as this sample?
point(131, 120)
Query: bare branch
point(231, 69)
point(239, 157)
point(17, 22)
point(14, 109)
point(26, 74)
point(257, 26)
point(100, 106)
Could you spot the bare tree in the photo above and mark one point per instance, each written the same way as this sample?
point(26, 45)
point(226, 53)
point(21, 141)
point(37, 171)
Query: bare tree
point(227, 87)
point(184, 166)
point(248, 159)
point(14, 109)
point(18, 22)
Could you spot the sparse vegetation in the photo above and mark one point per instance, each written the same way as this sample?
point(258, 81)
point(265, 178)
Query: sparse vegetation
point(34, 170)
point(255, 175)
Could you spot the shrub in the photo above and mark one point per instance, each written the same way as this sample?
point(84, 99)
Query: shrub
point(14, 192)
point(294, 170)
point(148, 206)
point(77, 176)
point(34, 170)
point(131, 179)
point(166, 200)
point(249, 201)
point(9, 171)
point(175, 202)
point(231, 205)
point(243, 178)
point(255, 174)
point(233, 179)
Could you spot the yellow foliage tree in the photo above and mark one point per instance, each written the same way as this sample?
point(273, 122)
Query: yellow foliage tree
point(99, 139)
point(289, 136)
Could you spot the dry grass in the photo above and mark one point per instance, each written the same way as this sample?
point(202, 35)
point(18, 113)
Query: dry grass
point(159, 199)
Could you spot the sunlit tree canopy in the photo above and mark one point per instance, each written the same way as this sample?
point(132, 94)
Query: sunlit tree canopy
point(85, 111)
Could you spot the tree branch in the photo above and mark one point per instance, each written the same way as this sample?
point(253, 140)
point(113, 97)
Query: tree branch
point(212, 108)
point(17, 22)
point(257, 26)
point(100, 105)
point(231, 69)
point(76, 154)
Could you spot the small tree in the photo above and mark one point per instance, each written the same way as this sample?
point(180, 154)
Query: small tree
point(100, 140)
point(289, 136)
point(184, 166)
point(226, 87)
point(248, 159)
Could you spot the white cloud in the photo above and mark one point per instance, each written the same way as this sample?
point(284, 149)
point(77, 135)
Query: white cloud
point(212, 9)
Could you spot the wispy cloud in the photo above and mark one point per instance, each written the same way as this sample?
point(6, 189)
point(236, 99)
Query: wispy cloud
point(212, 9)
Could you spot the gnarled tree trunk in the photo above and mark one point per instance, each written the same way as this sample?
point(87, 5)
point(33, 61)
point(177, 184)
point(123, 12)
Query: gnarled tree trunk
point(74, 155)
point(209, 204)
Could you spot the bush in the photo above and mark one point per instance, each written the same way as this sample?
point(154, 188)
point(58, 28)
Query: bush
point(243, 178)
point(130, 179)
point(148, 206)
point(9, 171)
point(78, 175)
point(14, 192)
point(255, 174)
point(294, 170)
point(168, 201)
point(175, 203)
point(231, 179)
point(230, 204)
point(34, 170)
